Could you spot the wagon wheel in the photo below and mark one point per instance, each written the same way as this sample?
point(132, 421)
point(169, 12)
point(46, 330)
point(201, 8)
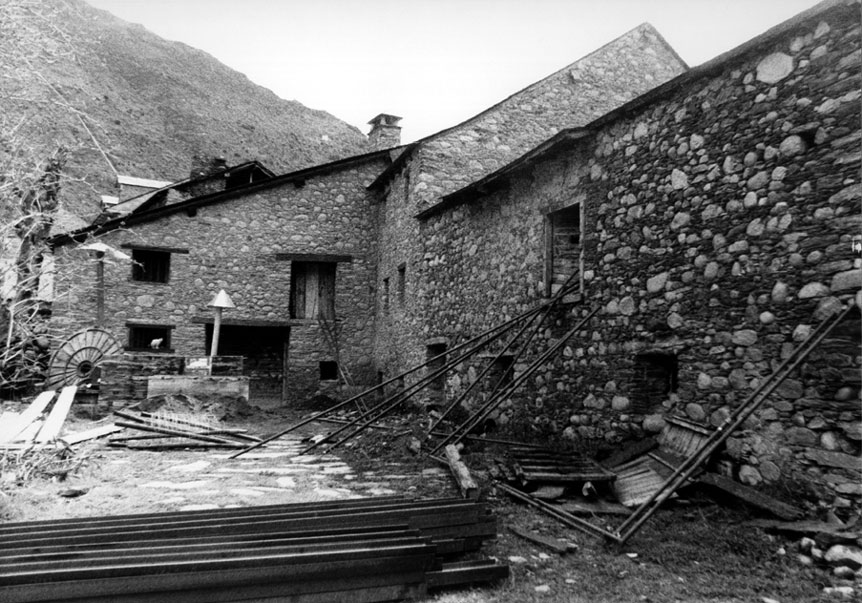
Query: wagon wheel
point(76, 359)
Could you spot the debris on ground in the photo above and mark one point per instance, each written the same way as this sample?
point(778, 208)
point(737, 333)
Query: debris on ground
point(165, 429)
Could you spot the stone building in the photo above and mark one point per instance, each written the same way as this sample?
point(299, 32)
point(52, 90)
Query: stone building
point(712, 215)
point(713, 221)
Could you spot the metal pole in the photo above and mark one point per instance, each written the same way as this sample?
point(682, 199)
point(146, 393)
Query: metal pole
point(489, 406)
point(684, 471)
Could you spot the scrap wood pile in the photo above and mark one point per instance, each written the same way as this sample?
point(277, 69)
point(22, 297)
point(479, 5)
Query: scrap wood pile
point(569, 486)
point(160, 430)
point(32, 444)
point(382, 549)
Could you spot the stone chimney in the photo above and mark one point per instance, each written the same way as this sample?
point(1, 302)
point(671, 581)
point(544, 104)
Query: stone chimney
point(204, 165)
point(385, 132)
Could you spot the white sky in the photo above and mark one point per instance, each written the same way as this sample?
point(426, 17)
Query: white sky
point(433, 62)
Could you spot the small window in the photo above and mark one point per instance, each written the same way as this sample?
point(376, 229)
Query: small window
point(563, 234)
point(151, 266)
point(655, 376)
point(312, 290)
point(435, 354)
point(384, 298)
point(402, 282)
point(502, 370)
point(328, 370)
point(155, 338)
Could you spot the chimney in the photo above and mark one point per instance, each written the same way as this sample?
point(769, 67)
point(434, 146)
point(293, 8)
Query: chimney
point(385, 132)
point(204, 165)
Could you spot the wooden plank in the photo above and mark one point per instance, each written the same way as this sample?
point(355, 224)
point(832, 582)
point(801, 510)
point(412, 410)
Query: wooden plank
point(752, 496)
point(9, 431)
point(90, 434)
point(54, 423)
point(552, 543)
point(466, 484)
point(458, 574)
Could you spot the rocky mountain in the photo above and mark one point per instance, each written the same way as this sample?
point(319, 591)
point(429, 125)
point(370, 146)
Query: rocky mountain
point(115, 94)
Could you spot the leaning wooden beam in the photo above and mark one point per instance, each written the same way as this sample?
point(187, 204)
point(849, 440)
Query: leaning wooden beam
point(547, 308)
point(505, 325)
point(393, 402)
point(178, 433)
point(54, 423)
point(9, 431)
point(502, 395)
point(731, 424)
point(466, 484)
point(90, 434)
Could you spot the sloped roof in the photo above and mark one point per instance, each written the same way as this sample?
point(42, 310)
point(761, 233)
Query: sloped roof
point(499, 178)
point(399, 163)
point(142, 201)
point(156, 213)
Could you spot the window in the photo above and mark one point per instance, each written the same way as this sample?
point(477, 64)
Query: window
point(154, 338)
point(312, 290)
point(402, 282)
point(384, 299)
point(328, 370)
point(563, 234)
point(436, 355)
point(655, 376)
point(151, 266)
point(502, 370)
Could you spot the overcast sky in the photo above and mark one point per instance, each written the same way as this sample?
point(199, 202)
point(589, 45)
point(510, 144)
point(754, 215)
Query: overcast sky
point(433, 62)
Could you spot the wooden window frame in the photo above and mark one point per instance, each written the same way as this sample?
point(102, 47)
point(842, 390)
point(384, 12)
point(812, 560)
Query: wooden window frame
point(319, 302)
point(151, 266)
point(549, 264)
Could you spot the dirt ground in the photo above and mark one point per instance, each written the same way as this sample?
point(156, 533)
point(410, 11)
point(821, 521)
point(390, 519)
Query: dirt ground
point(694, 552)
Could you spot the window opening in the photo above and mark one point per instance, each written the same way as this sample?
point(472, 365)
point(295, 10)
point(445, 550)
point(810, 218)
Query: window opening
point(402, 282)
point(385, 297)
point(436, 389)
point(151, 266)
point(328, 370)
point(655, 377)
point(155, 338)
point(312, 290)
point(563, 253)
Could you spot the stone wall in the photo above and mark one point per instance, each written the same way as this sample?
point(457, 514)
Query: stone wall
point(722, 218)
point(235, 245)
point(606, 78)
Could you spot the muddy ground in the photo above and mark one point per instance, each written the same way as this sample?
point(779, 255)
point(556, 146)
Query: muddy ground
point(694, 551)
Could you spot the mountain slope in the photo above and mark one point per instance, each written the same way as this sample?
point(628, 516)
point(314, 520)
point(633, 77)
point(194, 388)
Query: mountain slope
point(113, 92)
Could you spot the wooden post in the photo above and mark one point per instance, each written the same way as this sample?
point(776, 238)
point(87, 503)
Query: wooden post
point(100, 288)
point(216, 329)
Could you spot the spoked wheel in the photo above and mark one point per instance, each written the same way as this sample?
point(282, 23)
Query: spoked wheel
point(75, 361)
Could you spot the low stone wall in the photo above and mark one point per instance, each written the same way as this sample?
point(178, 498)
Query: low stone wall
point(124, 377)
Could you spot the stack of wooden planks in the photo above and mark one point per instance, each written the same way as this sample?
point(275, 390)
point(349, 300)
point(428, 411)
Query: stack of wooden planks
point(38, 424)
point(382, 549)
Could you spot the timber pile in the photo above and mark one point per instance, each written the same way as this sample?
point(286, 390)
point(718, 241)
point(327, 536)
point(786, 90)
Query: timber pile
point(384, 549)
point(160, 431)
point(40, 423)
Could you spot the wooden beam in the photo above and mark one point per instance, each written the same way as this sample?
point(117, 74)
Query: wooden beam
point(466, 484)
point(552, 543)
point(54, 423)
point(18, 424)
point(751, 496)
